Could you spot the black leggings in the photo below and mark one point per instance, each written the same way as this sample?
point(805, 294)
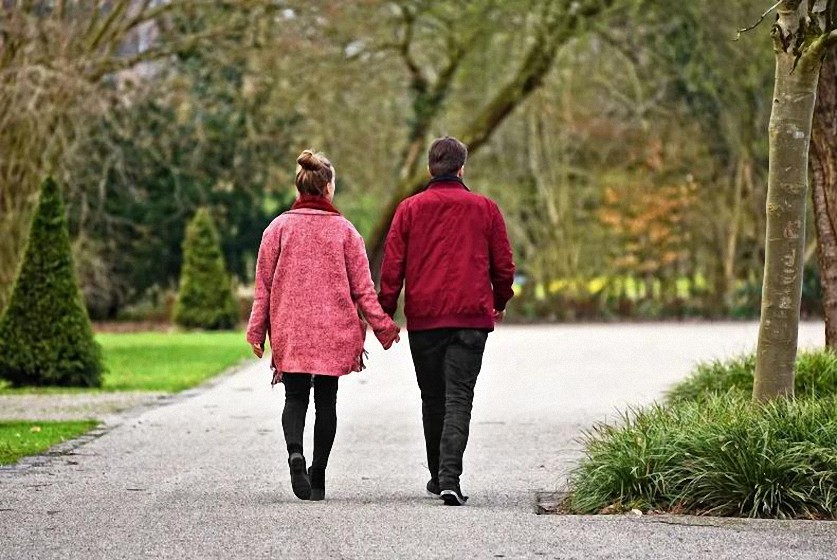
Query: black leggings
point(297, 391)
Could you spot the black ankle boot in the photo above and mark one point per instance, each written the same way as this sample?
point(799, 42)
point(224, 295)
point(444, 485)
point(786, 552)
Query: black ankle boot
point(317, 477)
point(299, 478)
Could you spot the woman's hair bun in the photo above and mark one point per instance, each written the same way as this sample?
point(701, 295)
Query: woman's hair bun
point(310, 161)
point(314, 173)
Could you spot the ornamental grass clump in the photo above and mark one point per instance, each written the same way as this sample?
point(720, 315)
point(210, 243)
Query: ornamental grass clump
point(724, 456)
point(816, 376)
point(45, 333)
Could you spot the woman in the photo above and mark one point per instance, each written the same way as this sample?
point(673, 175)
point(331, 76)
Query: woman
point(314, 295)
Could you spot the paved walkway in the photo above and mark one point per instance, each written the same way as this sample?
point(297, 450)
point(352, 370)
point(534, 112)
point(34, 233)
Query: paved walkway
point(205, 477)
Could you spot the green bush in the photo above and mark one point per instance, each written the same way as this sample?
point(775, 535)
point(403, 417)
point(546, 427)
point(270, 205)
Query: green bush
point(45, 333)
point(816, 375)
point(205, 299)
point(724, 456)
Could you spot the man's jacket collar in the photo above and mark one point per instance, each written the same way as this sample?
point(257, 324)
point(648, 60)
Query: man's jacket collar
point(444, 181)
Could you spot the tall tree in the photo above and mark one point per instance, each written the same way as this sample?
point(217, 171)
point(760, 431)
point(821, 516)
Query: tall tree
point(824, 189)
point(552, 25)
point(802, 33)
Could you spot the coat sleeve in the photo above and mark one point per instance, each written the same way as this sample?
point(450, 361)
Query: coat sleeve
point(501, 259)
point(269, 251)
point(363, 290)
point(394, 263)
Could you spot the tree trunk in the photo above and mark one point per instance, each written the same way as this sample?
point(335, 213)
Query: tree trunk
point(733, 233)
point(824, 167)
point(787, 183)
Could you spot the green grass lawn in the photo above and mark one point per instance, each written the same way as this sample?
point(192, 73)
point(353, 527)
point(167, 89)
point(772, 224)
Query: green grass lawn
point(19, 439)
point(159, 361)
point(168, 362)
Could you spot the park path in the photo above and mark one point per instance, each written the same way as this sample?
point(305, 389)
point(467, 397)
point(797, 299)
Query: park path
point(204, 476)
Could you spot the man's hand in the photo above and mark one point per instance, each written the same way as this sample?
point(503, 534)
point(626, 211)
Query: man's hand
point(499, 316)
point(258, 350)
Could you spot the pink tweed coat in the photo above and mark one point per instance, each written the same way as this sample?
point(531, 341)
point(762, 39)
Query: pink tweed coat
point(312, 281)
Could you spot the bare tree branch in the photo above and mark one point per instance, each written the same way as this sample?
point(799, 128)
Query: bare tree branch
point(760, 20)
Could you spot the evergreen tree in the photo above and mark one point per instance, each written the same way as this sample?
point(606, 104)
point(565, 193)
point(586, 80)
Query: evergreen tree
point(45, 334)
point(205, 299)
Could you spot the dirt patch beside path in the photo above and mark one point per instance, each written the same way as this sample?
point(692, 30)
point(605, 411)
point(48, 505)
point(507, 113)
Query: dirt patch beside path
point(72, 406)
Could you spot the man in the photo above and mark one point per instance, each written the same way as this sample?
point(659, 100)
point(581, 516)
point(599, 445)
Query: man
point(451, 248)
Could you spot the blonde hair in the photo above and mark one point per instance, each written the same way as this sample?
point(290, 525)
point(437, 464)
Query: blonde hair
point(313, 173)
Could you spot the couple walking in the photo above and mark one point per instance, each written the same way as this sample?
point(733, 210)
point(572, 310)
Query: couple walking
point(314, 296)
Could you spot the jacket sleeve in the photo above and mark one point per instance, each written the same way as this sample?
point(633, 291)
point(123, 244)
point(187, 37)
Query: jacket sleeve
point(394, 263)
point(269, 250)
point(363, 290)
point(501, 259)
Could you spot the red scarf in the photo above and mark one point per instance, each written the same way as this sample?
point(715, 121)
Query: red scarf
point(313, 202)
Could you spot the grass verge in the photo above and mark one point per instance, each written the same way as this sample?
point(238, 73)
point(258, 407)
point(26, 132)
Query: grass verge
point(816, 376)
point(168, 362)
point(19, 439)
point(722, 456)
point(158, 361)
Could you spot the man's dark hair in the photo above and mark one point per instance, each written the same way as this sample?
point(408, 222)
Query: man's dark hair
point(446, 156)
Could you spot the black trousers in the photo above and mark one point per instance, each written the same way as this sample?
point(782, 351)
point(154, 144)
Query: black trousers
point(297, 391)
point(447, 363)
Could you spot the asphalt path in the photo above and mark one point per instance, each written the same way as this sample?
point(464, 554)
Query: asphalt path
point(205, 474)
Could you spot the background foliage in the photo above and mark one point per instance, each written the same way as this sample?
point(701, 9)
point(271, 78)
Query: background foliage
point(625, 140)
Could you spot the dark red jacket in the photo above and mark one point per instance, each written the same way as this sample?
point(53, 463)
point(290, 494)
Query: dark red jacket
point(450, 247)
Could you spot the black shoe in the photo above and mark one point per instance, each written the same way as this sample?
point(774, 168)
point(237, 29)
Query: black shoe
point(454, 497)
point(433, 488)
point(317, 477)
point(299, 477)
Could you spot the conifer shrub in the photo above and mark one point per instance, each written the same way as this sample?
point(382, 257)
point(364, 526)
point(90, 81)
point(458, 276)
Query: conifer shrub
point(205, 299)
point(45, 332)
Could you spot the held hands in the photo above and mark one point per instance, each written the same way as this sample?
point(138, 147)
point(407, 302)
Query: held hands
point(258, 350)
point(499, 316)
point(393, 339)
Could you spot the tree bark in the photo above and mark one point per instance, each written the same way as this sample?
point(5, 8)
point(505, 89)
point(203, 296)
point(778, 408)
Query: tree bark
point(789, 135)
point(824, 168)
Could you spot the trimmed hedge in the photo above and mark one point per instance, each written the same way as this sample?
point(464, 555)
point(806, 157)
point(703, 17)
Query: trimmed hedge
point(45, 333)
point(205, 299)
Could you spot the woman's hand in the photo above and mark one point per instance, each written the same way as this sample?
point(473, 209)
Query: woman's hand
point(258, 350)
point(396, 338)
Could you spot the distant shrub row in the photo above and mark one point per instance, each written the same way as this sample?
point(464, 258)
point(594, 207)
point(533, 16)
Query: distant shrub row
point(45, 333)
